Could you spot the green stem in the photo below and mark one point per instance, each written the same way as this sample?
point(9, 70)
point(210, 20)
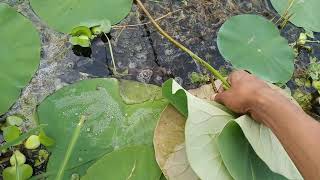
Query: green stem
point(111, 53)
point(183, 48)
point(73, 141)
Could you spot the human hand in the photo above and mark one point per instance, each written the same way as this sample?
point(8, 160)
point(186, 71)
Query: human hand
point(244, 93)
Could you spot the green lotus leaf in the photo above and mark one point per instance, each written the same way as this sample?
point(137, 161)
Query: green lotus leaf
point(240, 158)
point(304, 13)
point(268, 147)
point(253, 43)
point(71, 13)
point(109, 124)
point(19, 54)
point(134, 163)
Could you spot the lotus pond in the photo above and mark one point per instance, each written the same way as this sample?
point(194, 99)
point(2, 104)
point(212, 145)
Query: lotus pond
point(95, 90)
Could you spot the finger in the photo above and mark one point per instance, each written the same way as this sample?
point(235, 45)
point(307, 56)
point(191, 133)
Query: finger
point(236, 76)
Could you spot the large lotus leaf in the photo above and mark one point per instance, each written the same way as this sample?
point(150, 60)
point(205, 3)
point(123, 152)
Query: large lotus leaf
point(253, 43)
point(240, 158)
point(19, 54)
point(131, 163)
point(306, 13)
point(268, 147)
point(169, 146)
point(110, 123)
point(64, 15)
point(205, 121)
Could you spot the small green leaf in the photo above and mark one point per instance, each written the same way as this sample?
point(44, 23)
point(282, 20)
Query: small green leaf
point(17, 156)
point(177, 98)
point(33, 142)
point(11, 133)
point(21, 138)
point(131, 163)
point(14, 120)
point(22, 172)
point(82, 41)
point(81, 31)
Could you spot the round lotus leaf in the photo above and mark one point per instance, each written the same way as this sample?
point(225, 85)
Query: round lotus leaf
point(63, 15)
point(19, 54)
point(253, 43)
point(305, 13)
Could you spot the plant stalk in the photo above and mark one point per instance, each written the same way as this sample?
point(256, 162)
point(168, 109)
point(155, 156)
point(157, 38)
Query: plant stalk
point(73, 141)
point(183, 48)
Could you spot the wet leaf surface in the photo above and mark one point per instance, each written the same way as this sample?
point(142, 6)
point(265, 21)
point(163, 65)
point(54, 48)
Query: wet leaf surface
point(110, 123)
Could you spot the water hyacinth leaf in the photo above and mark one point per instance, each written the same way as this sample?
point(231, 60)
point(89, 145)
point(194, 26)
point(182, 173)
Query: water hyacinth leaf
point(239, 157)
point(110, 122)
point(14, 120)
point(304, 13)
point(169, 145)
point(73, 12)
point(205, 121)
point(253, 43)
point(267, 146)
point(11, 133)
point(23, 171)
point(134, 163)
point(19, 54)
point(21, 138)
point(81, 31)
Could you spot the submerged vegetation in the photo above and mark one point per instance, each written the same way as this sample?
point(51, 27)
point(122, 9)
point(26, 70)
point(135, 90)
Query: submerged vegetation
point(107, 128)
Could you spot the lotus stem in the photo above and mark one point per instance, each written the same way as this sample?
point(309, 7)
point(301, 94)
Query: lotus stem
point(195, 57)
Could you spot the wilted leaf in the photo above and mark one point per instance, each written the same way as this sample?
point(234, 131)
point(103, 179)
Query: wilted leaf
point(169, 146)
point(64, 15)
point(239, 157)
point(205, 121)
point(110, 122)
point(259, 47)
point(19, 54)
point(130, 163)
point(305, 12)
